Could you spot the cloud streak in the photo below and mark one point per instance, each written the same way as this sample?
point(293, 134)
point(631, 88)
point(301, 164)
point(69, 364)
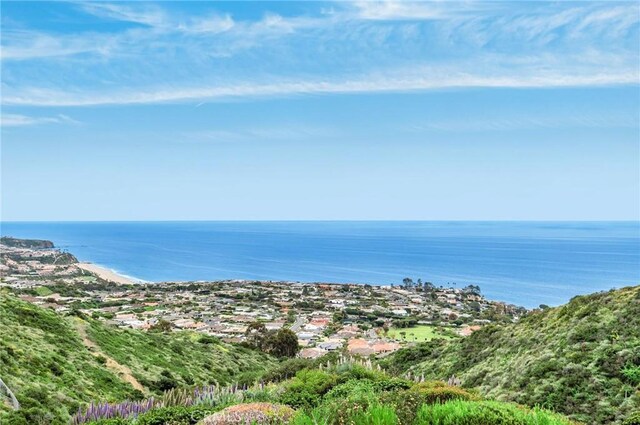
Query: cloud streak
point(369, 84)
point(17, 120)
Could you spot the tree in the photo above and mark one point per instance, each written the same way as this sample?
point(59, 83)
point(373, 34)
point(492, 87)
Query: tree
point(472, 289)
point(282, 343)
point(162, 325)
point(256, 334)
point(385, 329)
point(166, 381)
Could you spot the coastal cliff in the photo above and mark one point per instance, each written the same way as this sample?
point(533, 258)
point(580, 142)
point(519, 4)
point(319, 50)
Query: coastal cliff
point(26, 243)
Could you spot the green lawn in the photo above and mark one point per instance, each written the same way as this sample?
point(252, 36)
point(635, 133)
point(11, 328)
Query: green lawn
point(43, 291)
point(417, 333)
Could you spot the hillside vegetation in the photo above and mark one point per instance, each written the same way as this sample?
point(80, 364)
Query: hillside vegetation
point(54, 364)
point(345, 391)
point(26, 243)
point(581, 359)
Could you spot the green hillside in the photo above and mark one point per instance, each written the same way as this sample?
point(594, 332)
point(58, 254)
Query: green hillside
point(54, 363)
point(581, 359)
point(342, 391)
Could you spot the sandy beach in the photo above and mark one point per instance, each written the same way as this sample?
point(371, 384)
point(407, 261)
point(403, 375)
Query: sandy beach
point(107, 274)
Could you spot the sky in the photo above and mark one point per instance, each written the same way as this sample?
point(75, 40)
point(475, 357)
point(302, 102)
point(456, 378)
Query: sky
point(390, 110)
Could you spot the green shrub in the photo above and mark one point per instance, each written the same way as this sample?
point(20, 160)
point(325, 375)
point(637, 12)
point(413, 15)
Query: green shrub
point(176, 415)
point(248, 378)
point(307, 388)
point(632, 374)
point(375, 415)
point(439, 392)
point(634, 419)
point(286, 369)
point(457, 412)
point(345, 400)
point(350, 389)
point(358, 409)
point(407, 402)
point(350, 371)
point(393, 384)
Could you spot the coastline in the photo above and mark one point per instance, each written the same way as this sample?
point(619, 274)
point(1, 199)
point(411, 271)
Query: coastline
point(109, 275)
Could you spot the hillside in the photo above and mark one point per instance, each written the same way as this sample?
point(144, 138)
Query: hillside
point(26, 243)
point(331, 391)
point(581, 359)
point(54, 363)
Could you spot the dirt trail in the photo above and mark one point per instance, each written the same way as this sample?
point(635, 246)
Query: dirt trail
point(10, 400)
point(122, 370)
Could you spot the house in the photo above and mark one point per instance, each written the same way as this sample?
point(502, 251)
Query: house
point(357, 343)
point(273, 326)
point(330, 345)
point(306, 336)
point(312, 353)
point(385, 347)
point(361, 351)
point(468, 330)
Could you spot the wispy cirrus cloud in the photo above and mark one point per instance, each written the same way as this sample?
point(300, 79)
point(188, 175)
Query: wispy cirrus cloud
point(430, 79)
point(407, 10)
point(281, 132)
point(362, 47)
point(143, 13)
point(17, 120)
point(515, 123)
point(26, 45)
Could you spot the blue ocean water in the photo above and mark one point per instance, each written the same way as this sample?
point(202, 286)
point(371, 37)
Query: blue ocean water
point(526, 263)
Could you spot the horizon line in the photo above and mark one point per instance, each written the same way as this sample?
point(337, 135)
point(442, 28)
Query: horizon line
point(333, 220)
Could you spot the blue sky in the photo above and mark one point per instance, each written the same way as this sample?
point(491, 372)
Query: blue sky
point(321, 110)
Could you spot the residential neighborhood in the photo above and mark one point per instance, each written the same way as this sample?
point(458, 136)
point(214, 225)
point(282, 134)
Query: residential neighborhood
point(362, 320)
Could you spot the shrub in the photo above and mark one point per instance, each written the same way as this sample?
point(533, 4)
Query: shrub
point(634, 419)
point(439, 392)
point(375, 415)
point(632, 374)
point(485, 413)
point(393, 384)
point(353, 371)
point(407, 402)
point(343, 401)
point(165, 383)
point(286, 369)
point(248, 378)
point(350, 389)
point(176, 415)
point(307, 388)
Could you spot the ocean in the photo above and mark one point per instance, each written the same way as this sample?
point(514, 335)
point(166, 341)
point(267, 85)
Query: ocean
point(525, 263)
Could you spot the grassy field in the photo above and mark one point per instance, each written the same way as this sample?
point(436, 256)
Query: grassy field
point(417, 333)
